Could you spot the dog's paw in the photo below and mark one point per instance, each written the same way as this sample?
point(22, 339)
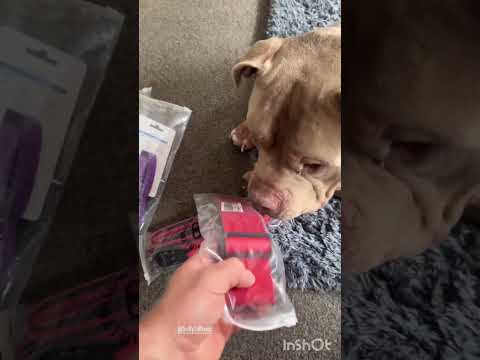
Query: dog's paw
point(241, 137)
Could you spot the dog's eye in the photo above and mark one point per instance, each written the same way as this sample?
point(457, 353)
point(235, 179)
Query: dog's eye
point(412, 147)
point(313, 168)
point(412, 151)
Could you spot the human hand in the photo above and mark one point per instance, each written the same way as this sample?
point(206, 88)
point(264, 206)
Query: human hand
point(195, 297)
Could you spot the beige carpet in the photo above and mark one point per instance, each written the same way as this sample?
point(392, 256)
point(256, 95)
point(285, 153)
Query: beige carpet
point(318, 318)
point(187, 49)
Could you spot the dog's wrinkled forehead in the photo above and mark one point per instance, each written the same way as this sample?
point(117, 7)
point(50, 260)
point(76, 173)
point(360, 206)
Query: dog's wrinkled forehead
point(419, 70)
point(310, 122)
point(310, 125)
point(295, 79)
point(410, 124)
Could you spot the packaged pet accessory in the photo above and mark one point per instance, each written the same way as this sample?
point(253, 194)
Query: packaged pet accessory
point(161, 129)
point(170, 246)
point(231, 227)
point(50, 80)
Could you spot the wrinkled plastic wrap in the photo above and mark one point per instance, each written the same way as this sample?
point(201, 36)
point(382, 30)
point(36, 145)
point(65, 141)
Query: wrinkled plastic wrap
point(168, 247)
point(88, 32)
point(173, 118)
point(231, 227)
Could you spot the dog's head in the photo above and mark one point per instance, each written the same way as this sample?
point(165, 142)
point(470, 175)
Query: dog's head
point(294, 120)
point(410, 127)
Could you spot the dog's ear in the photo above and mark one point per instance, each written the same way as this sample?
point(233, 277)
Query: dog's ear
point(256, 59)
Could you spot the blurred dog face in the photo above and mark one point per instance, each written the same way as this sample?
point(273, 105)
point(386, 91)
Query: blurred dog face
point(411, 130)
point(294, 121)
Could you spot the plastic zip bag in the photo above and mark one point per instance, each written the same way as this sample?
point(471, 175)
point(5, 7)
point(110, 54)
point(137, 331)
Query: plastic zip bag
point(170, 246)
point(82, 30)
point(161, 129)
point(231, 227)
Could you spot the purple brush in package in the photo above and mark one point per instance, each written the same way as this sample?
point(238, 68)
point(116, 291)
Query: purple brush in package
point(20, 145)
point(147, 166)
point(161, 129)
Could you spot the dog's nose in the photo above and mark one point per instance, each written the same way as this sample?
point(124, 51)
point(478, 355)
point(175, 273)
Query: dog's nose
point(268, 203)
point(266, 197)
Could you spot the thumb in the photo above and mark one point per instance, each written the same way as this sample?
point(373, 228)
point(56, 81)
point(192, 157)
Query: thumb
point(224, 275)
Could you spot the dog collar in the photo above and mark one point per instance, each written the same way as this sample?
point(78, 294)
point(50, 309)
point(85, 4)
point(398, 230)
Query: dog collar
point(166, 258)
point(246, 237)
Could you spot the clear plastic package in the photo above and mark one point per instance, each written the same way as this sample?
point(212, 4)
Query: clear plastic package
point(79, 30)
point(161, 129)
point(168, 247)
point(231, 227)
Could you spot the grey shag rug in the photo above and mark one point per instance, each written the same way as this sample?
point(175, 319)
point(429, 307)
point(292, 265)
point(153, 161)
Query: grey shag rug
point(295, 17)
point(311, 244)
point(311, 248)
point(427, 307)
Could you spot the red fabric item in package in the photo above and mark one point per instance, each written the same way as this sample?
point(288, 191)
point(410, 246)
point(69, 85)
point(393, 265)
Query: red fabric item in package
point(231, 227)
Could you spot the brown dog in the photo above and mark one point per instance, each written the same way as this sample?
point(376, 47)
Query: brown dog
point(294, 121)
point(411, 126)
